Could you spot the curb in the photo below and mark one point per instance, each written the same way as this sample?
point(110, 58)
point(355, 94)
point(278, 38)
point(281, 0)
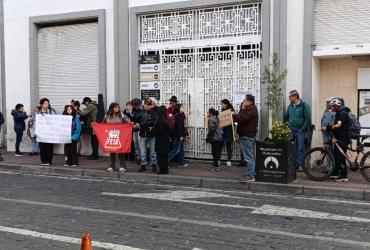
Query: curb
point(225, 184)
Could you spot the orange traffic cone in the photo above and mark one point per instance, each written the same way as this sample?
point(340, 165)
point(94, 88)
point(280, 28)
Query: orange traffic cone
point(86, 242)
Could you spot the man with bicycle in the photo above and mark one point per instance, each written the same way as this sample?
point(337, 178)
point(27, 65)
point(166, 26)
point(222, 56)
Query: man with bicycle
point(340, 131)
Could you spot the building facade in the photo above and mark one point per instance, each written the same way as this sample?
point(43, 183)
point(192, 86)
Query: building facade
point(204, 51)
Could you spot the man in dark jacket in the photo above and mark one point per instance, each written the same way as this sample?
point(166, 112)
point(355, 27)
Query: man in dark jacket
point(247, 120)
point(146, 121)
point(19, 126)
point(136, 110)
point(2, 120)
point(91, 112)
point(340, 130)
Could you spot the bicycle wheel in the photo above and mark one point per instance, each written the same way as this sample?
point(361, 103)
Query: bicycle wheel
point(319, 164)
point(365, 166)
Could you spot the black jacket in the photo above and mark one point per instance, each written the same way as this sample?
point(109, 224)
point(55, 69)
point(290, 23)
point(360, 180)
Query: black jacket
point(19, 117)
point(162, 135)
point(342, 133)
point(179, 126)
point(135, 117)
point(146, 121)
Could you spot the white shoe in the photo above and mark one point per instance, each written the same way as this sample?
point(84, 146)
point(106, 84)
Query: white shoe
point(228, 163)
point(110, 169)
point(66, 165)
point(341, 179)
point(74, 165)
point(183, 165)
point(122, 169)
point(45, 164)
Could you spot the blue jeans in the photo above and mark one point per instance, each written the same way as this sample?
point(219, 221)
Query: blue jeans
point(146, 142)
point(298, 135)
point(35, 145)
point(135, 136)
point(247, 145)
point(177, 151)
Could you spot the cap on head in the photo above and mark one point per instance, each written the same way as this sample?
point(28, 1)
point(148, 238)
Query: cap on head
point(173, 99)
point(336, 102)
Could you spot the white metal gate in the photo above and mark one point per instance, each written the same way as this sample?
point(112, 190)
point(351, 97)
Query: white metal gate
point(221, 56)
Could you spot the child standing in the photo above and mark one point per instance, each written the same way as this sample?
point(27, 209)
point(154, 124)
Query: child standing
point(70, 149)
point(114, 115)
point(31, 133)
point(19, 117)
point(214, 137)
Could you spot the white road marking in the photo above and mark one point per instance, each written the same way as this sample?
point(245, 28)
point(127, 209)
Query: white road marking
point(180, 196)
point(184, 196)
point(193, 222)
point(65, 239)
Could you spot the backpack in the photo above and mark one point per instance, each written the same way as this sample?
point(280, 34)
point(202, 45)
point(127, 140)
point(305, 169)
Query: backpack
point(354, 126)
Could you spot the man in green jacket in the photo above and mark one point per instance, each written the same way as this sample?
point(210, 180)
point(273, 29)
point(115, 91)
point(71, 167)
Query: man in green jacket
point(91, 112)
point(299, 121)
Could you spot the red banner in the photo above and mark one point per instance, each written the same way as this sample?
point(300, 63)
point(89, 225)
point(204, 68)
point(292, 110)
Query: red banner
point(114, 137)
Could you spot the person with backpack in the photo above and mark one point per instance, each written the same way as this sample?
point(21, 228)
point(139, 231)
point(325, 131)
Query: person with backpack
point(70, 149)
point(19, 117)
point(341, 131)
point(46, 149)
point(247, 120)
point(91, 112)
point(327, 119)
point(298, 117)
point(228, 133)
point(214, 137)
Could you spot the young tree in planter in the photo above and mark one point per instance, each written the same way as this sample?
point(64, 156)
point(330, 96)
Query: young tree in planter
point(273, 77)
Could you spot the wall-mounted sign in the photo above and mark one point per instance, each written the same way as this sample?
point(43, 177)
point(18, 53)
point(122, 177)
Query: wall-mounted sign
point(149, 77)
point(149, 68)
point(150, 90)
point(149, 59)
point(364, 111)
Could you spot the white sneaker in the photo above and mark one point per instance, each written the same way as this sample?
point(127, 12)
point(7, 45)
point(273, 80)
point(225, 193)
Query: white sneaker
point(66, 165)
point(183, 165)
point(110, 169)
point(228, 163)
point(18, 155)
point(74, 165)
point(122, 169)
point(45, 164)
point(341, 179)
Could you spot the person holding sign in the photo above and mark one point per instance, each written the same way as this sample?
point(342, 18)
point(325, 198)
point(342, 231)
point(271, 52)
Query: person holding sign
point(228, 133)
point(46, 149)
point(70, 149)
point(114, 115)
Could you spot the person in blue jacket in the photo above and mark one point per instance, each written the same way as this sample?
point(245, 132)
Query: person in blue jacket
point(19, 117)
point(70, 149)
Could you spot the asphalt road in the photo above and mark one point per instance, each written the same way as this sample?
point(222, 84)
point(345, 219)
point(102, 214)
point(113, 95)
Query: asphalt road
point(38, 212)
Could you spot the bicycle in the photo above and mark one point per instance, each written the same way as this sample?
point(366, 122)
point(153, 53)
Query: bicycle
point(319, 161)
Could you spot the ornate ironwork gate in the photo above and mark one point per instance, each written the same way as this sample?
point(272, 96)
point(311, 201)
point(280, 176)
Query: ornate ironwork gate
point(206, 55)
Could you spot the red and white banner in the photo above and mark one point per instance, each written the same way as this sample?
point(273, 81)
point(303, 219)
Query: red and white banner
point(114, 137)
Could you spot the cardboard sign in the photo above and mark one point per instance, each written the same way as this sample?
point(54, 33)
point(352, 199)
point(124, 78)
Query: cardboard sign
point(54, 128)
point(226, 118)
point(114, 137)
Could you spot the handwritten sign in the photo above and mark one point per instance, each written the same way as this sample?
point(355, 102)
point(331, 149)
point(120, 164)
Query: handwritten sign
point(53, 128)
point(226, 118)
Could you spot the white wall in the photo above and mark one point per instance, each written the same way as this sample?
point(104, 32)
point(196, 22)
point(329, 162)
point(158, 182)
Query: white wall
point(136, 3)
point(16, 36)
point(295, 28)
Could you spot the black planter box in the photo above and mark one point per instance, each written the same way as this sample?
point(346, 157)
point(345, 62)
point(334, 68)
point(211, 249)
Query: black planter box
point(276, 162)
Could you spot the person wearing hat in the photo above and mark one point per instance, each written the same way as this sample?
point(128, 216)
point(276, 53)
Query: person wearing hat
point(91, 112)
point(327, 119)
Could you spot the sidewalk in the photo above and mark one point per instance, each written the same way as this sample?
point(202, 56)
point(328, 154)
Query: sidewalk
point(196, 174)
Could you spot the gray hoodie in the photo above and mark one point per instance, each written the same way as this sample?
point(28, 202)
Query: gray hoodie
point(214, 129)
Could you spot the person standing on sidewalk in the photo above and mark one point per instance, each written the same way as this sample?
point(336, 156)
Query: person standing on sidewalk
point(247, 120)
point(327, 119)
point(341, 130)
point(299, 121)
point(91, 112)
point(227, 136)
point(135, 113)
point(2, 120)
point(31, 132)
point(114, 115)
point(146, 137)
point(46, 149)
point(162, 140)
point(19, 117)
point(214, 137)
point(177, 137)
point(70, 149)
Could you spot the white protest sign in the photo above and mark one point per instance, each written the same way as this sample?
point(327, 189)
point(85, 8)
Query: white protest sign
point(54, 128)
